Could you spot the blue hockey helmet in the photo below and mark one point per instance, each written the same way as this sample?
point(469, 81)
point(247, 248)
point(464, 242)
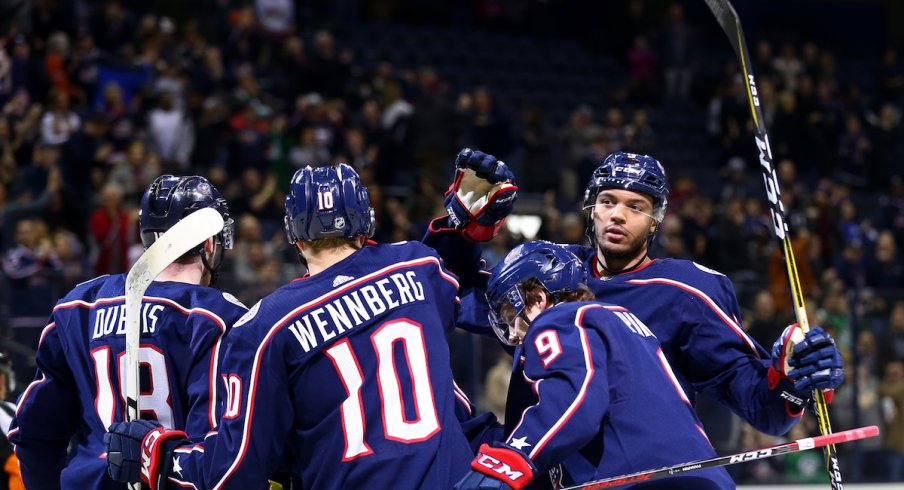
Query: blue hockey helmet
point(170, 198)
point(553, 266)
point(633, 172)
point(326, 202)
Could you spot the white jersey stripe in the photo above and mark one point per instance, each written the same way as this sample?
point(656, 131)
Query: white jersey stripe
point(582, 393)
point(728, 320)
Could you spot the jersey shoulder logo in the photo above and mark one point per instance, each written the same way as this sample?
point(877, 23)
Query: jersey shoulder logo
point(340, 280)
point(707, 269)
point(232, 299)
point(248, 315)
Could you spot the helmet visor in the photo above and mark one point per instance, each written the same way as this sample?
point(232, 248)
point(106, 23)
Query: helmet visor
point(500, 323)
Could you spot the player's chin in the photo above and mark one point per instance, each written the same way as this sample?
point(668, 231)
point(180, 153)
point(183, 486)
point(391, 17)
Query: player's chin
point(623, 248)
point(614, 242)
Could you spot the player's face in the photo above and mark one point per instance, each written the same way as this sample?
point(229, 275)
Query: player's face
point(622, 222)
point(518, 324)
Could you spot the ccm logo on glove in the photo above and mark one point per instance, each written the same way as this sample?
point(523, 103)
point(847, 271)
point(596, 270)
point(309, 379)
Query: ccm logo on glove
point(499, 467)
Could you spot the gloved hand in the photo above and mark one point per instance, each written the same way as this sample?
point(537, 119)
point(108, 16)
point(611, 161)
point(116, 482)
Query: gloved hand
point(811, 361)
point(141, 449)
point(497, 468)
point(482, 195)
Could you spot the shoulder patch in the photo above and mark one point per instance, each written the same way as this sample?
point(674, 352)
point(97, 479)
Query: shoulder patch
point(232, 299)
point(341, 279)
point(707, 269)
point(247, 316)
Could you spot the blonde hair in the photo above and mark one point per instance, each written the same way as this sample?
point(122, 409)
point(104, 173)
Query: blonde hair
point(322, 244)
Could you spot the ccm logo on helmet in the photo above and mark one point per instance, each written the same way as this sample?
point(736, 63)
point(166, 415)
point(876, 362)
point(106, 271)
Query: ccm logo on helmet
point(498, 467)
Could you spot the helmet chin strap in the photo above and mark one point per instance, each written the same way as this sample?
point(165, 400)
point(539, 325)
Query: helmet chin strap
point(612, 272)
point(214, 270)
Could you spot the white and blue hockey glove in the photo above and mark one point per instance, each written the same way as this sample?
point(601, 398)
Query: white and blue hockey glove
point(810, 361)
point(141, 450)
point(497, 467)
point(482, 195)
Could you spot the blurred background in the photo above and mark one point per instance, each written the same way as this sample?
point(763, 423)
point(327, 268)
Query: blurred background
point(100, 97)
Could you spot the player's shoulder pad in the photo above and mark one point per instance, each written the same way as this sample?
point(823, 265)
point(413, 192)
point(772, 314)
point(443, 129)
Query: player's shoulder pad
point(692, 273)
point(411, 250)
point(232, 299)
point(680, 268)
point(91, 289)
point(248, 316)
point(412, 247)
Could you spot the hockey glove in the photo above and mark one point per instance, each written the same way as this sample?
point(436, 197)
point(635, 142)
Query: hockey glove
point(141, 449)
point(497, 468)
point(482, 195)
point(811, 361)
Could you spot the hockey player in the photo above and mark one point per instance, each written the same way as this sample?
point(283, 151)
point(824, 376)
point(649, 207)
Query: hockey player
point(78, 388)
point(603, 400)
point(692, 310)
point(341, 378)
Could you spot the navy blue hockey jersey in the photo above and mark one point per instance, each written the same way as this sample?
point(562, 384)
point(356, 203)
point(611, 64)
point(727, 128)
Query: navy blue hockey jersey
point(693, 310)
point(79, 388)
point(341, 379)
point(602, 401)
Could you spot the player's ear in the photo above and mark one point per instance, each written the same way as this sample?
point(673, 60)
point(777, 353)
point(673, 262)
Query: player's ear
point(544, 302)
point(209, 245)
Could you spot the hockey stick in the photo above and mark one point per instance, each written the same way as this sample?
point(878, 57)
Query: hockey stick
point(182, 237)
point(766, 452)
point(730, 22)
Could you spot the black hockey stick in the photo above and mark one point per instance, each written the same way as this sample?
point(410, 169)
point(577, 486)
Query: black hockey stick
point(766, 452)
point(731, 24)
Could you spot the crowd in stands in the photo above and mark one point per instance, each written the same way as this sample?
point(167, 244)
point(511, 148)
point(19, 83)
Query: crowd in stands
point(97, 98)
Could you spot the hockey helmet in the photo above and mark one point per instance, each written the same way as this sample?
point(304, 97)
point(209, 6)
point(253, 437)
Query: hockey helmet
point(326, 202)
point(170, 198)
point(553, 266)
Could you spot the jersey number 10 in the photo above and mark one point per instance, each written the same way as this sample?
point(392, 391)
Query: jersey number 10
point(410, 338)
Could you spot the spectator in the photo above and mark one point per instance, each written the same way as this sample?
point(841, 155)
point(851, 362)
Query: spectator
point(884, 268)
point(112, 228)
point(643, 75)
point(496, 385)
point(30, 267)
point(135, 172)
point(892, 342)
point(678, 49)
point(765, 322)
point(854, 149)
point(26, 73)
point(892, 392)
point(171, 133)
point(112, 26)
point(59, 122)
point(308, 151)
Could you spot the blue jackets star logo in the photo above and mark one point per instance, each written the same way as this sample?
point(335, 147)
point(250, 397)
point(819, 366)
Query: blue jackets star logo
point(519, 443)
